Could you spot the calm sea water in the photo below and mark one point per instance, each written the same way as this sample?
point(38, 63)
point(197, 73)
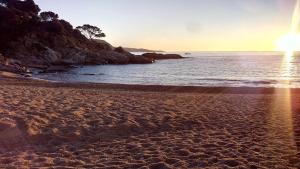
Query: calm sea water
point(236, 69)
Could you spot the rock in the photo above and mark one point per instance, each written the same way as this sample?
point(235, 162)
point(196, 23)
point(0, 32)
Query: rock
point(106, 57)
point(140, 60)
point(103, 42)
point(51, 56)
point(157, 56)
point(72, 56)
point(27, 75)
point(13, 62)
point(12, 68)
point(134, 59)
point(122, 51)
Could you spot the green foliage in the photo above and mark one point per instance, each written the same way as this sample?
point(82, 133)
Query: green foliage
point(91, 32)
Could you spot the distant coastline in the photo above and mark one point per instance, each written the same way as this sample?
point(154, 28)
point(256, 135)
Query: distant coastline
point(141, 50)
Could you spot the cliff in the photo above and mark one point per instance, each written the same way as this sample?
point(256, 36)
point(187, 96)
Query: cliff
point(30, 40)
point(26, 38)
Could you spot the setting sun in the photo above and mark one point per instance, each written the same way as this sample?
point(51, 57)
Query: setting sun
point(289, 43)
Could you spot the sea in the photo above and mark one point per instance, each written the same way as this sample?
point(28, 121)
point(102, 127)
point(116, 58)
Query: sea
point(209, 69)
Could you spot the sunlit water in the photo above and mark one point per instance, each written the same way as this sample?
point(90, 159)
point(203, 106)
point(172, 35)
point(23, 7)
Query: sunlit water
point(251, 69)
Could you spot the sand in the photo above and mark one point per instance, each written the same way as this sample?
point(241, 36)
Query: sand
point(60, 125)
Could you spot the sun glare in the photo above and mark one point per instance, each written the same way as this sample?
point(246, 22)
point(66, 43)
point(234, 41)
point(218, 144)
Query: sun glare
point(289, 43)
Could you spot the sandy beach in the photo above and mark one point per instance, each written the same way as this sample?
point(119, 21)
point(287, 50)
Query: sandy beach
point(59, 125)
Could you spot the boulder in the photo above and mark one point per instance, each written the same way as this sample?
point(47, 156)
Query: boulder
point(50, 55)
point(122, 51)
point(140, 60)
point(12, 68)
point(72, 56)
point(134, 59)
point(11, 65)
point(104, 43)
point(158, 56)
point(106, 57)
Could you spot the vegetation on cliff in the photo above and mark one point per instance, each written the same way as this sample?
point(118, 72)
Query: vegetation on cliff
point(31, 38)
point(91, 32)
point(37, 39)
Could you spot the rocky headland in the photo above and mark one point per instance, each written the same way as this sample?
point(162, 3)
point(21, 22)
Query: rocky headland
point(28, 40)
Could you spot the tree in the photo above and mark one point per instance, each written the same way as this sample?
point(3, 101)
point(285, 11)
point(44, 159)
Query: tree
point(48, 16)
point(3, 3)
point(91, 32)
point(30, 6)
point(68, 27)
point(23, 5)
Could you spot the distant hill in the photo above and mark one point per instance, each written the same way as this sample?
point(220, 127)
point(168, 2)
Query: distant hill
point(141, 50)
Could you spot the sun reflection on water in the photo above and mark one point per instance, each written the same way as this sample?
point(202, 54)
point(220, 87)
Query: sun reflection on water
point(286, 67)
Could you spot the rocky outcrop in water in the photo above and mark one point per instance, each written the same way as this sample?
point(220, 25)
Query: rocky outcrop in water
point(158, 56)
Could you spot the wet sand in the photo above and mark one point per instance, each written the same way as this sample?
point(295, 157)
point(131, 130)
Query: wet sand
point(60, 125)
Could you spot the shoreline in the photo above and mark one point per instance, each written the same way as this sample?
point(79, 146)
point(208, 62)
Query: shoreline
point(15, 79)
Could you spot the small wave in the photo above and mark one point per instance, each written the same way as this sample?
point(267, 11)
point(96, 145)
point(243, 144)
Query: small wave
point(261, 82)
point(240, 80)
point(216, 79)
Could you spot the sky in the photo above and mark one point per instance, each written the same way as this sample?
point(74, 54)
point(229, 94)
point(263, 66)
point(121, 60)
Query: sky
point(182, 25)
